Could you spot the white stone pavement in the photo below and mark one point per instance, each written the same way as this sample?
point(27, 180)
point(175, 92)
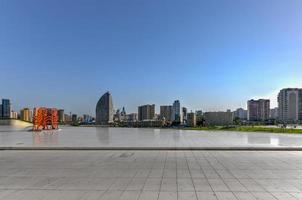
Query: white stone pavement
point(148, 175)
point(97, 137)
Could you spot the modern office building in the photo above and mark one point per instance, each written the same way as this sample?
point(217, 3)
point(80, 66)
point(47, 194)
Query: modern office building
point(218, 118)
point(258, 110)
point(25, 115)
point(61, 116)
point(146, 112)
point(290, 105)
point(6, 108)
point(191, 119)
point(104, 110)
point(176, 111)
point(166, 113)
point(240, 113)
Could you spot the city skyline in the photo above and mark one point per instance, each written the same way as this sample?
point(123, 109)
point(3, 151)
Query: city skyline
point(210, 55)
point(273, 104)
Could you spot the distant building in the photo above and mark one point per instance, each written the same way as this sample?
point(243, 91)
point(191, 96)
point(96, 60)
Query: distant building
point(176, 112)
point(274, 113)
point(184, 115)
point(258, 110)
point(240, 113)
point(13, 115)
point(123, 116)
point(218, 118)
point(290, 105)
point(61, 116)
point(67, 119)
point(132, 117)
point(119, 115)
point(104, 110)
point(74, 118)
point(146, 112)
point(199, 112)
point(166, 113)
point(6, 107)
point(25, 115)
point(191, 119)
point(199, 117)
point(87, 119)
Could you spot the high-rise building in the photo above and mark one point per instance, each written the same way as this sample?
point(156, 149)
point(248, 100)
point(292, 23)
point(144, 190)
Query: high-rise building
point(146, 112)
point(6, 107)
point(61, 116)
point(258, 110)
point(290, 105)
point(166, 113)
point(0, 111)
point(191, 119)
point(104, 110)
point(176, 112)
point(240, 113)
point(25, 115)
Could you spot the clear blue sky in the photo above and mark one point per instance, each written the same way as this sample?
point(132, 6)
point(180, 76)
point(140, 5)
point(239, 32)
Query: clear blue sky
point(209, 54)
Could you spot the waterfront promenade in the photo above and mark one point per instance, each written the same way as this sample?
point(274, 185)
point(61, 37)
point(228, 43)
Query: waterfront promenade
point(171, 166)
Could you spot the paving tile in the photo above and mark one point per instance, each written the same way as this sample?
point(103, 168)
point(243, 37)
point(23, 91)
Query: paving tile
point(187, 196)
point(206, 196)
point(225, 196)
point(263, 196)
point(283, 196)
point(149, 195)
point(130, 195)
point(244, 196)
point(218, 185)
point(167, 196)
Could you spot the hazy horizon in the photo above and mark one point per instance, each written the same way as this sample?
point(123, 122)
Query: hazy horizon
point(210, 55)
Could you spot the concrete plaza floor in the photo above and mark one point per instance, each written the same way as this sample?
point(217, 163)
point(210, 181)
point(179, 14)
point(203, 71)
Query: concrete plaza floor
point(148, 175)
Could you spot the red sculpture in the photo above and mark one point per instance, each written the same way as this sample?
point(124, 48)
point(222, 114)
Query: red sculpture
point(45, 119)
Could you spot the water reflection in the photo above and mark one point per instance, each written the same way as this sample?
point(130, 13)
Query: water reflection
point(103, 134)
point(45, 138)
point(265, 139)
point(287, 141)
point(258, 140)
point(146, 137)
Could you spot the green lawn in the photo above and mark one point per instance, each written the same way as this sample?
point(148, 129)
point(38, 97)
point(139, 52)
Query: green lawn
point(248, 129)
